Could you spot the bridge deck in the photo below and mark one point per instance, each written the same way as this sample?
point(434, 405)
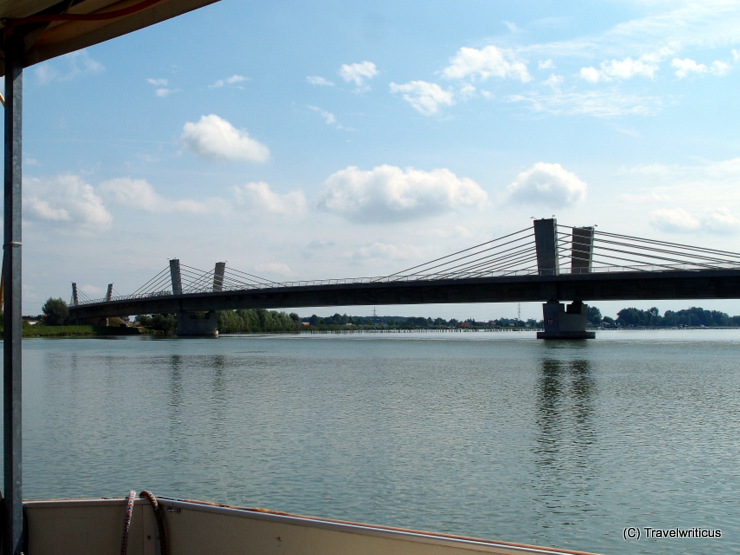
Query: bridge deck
point(695, 284)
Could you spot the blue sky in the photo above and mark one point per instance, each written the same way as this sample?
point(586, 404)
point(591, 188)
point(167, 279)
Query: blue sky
point(310, 140)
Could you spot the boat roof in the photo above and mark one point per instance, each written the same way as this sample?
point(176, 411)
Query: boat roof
point(52, 28)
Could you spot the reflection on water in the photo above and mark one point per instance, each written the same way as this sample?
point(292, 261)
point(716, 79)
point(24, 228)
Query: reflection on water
point(564, 405)
point(565, 443)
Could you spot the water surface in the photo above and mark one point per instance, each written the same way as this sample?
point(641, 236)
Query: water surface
point(496, 435)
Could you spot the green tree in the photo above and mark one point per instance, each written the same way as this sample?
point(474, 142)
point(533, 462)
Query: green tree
point(144, 320)
point(594, 316)
point(166, 323)
point(56, 312)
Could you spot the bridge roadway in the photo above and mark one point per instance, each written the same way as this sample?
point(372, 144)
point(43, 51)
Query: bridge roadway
point(607, 286)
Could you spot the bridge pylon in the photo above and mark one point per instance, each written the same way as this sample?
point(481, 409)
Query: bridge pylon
point(561, 321)
point(200, 323)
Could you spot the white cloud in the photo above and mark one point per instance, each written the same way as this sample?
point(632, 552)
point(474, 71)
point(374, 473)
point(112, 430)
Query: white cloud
point(546, 64)
point(386, 251)
point(590, 74)
point(68, 202)
point(650, 196)
point(259, 197)
point(468, 91)
point(719, 68)
point(677, 220)
point(490, 61)
point(133, 193)
point(595, 103)
point(161, 87)
point(358, 73)
point(329, 118)
point(390, 194)
point(215, 138)
point(720, 221)
point(626, 68)
point(139, 194)
point(424, 97)
point(233, 80)
point(686, 66)
point(554, 81)
point(275, 268)
point(549, 185)
point(674, 220)
point(319, 81)
point(68, 67)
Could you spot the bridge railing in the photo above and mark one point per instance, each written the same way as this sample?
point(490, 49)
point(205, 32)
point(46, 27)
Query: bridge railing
point(686, 266)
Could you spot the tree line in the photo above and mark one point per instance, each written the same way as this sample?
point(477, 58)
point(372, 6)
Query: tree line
point(690, 317)
point(260, 320)
point(243, 320)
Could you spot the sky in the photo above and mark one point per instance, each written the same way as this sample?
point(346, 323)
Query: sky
point(331, 139)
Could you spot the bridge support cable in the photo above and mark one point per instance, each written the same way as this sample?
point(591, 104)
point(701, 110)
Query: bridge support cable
point(79, 297)
point(453, 265)
point(675, 246)
point(160, 283)
point(647, 259)
point(195, 280)
point(236, 279)
point(517, 258)
point(615, 252)
point(521, 261)
point(647, 254)
point(513, 260)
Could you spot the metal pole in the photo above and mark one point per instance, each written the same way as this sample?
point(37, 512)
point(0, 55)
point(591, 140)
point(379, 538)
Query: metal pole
point(12, 503)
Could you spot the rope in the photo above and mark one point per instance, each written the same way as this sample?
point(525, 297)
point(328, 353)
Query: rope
point(159, 517)
point(127, 521)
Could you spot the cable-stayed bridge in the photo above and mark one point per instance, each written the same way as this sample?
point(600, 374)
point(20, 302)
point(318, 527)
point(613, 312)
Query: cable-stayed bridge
point(547, 262)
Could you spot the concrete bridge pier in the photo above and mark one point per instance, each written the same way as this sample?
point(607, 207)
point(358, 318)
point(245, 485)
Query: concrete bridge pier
point(197, 324)
point(563, 322)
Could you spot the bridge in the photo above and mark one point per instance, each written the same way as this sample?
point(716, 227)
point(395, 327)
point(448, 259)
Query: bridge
point(548, 262)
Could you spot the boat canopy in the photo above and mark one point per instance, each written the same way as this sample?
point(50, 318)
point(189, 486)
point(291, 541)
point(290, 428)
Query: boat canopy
point(52, 28)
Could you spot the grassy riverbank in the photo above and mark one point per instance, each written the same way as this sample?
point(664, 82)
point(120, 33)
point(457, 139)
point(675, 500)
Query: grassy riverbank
point(76, 331)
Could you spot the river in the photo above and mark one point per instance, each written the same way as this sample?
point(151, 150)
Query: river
point(572, 444)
